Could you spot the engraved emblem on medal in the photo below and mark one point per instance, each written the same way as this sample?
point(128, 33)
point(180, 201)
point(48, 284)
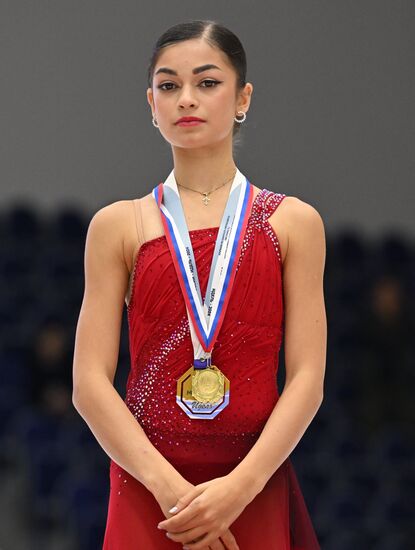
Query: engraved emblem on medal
point(208, 385)
point(203, 392)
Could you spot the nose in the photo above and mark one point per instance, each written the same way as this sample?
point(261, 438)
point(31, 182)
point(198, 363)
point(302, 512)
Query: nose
point(186, 97)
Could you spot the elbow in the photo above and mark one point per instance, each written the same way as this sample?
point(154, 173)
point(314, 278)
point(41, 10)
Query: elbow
point(75, 400)
point(76, 395)
point(316, 397)
point(319, 397)
point(317, 386)
point(79, 404)
point(85, 389)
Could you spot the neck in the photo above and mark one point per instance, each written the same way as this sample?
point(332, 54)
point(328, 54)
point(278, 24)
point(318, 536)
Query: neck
point(204, 169)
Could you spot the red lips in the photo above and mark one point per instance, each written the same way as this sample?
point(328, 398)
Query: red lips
point(189, 119)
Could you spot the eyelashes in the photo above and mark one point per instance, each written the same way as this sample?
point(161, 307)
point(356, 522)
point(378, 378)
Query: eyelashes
point(214, 82)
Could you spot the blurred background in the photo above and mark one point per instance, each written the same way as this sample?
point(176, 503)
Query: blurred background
point(333, 109)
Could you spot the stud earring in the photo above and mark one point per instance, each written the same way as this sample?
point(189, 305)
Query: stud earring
point(240, 119)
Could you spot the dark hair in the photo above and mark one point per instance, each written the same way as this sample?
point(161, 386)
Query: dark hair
point(216, 35)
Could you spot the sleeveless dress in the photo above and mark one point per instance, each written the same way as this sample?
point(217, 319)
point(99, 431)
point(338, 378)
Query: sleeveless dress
point(247, 353)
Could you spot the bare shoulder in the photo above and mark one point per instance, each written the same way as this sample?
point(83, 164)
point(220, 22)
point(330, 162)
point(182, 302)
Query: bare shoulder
point(296, 211)
point(295, 220)
point(128, 223)
point(110, 220)
point(111, 213)
point(113, 225)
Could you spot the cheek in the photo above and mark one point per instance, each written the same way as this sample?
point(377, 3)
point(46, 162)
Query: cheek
point(163, 103)
point(225, 98)
point(221, 107)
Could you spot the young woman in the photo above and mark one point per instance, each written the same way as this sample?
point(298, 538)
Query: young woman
point(214, 271)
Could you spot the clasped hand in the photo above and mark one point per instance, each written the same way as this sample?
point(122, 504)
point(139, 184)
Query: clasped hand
point(207, 511)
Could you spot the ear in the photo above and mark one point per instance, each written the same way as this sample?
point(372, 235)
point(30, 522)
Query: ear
point(150, 99)
point(245, 95)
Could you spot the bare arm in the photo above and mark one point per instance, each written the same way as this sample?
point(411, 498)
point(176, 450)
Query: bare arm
point(305, 347)
point(96, 354)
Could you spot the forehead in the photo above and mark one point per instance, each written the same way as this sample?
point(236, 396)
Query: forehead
point(185, 56)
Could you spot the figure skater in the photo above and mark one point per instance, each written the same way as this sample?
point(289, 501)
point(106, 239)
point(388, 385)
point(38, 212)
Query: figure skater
point(214, 272)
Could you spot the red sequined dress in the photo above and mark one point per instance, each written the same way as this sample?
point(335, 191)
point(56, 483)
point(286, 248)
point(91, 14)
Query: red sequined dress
point(247, 353)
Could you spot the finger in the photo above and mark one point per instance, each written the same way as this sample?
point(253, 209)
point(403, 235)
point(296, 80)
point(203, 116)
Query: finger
point(180, 521)
point(207, 540)
point(217, 545)
point(186, 499)
point(181, 505)
point(229, 540)
point(191, 535)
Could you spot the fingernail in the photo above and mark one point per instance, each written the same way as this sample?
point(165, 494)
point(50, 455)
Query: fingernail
point(174, 509)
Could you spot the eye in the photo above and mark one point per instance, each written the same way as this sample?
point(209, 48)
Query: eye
point(213, 82)
point(160, 87)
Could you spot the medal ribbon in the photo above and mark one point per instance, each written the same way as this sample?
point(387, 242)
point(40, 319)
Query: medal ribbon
point(205, 319)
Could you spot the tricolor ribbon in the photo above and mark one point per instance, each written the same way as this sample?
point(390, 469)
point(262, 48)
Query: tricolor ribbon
point(205, 319)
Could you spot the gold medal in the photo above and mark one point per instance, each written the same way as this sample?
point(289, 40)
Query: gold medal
point(203, 393)
point(208, 385)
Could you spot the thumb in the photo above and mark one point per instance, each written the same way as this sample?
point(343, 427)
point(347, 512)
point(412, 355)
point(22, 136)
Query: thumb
point(186, 499)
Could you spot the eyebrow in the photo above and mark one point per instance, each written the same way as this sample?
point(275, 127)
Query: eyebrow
point(196, 70)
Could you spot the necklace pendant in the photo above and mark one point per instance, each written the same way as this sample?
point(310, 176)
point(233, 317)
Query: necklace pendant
point(206, 199)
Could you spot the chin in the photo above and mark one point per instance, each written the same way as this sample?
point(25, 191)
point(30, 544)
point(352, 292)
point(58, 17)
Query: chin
point(196, 141)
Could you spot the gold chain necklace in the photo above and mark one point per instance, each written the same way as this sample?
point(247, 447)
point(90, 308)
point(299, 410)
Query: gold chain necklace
point(206, 194)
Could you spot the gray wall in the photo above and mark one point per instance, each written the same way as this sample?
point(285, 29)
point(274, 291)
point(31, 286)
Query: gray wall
point(331, 119)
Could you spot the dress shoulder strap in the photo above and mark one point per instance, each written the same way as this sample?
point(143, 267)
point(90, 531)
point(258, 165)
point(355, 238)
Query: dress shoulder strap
point(271, 202)
point(138, 220)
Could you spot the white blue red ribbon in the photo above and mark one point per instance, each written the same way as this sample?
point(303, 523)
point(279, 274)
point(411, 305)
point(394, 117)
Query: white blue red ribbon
point(205, 319)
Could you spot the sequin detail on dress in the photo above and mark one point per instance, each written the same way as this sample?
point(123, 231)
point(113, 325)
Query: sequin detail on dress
point(258, 220)
point(140, 395)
